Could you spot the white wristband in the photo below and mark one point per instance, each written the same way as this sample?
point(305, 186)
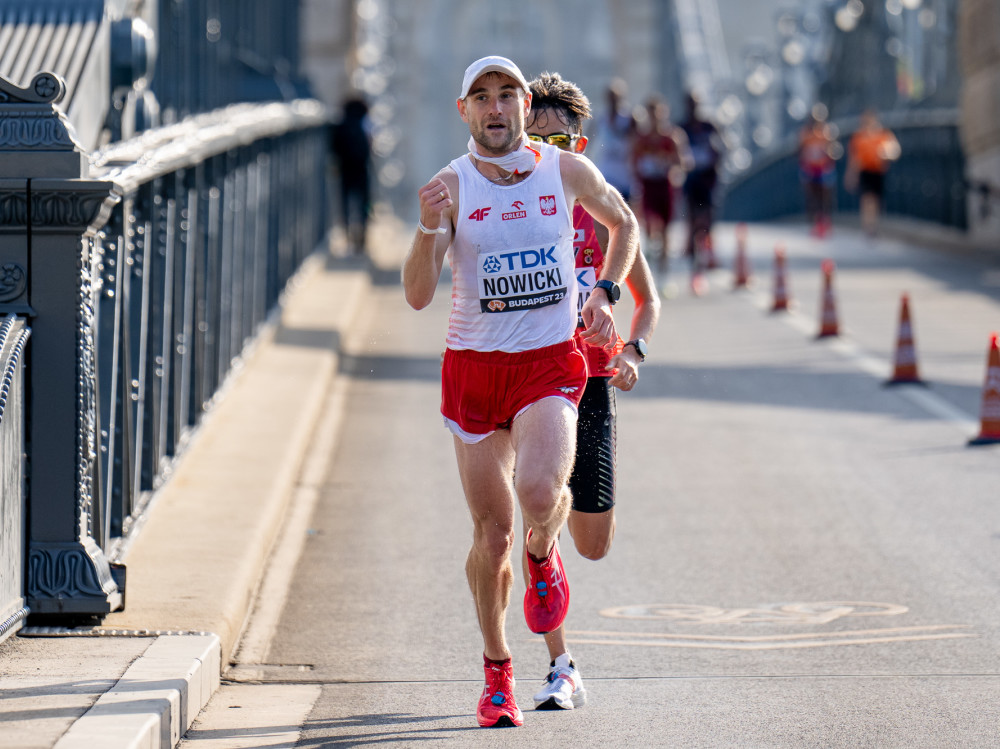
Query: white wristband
point(425, 230)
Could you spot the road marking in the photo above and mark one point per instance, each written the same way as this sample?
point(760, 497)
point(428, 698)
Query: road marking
point(277, 580)
point(798, 614)
point(919, 395)
point(786, 644)
point(822, 612)
point(772, 638)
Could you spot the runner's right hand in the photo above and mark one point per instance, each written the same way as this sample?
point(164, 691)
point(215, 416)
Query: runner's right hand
point(434, 199)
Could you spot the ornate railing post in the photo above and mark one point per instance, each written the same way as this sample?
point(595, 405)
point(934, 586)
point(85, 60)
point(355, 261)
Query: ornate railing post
point(51, 210)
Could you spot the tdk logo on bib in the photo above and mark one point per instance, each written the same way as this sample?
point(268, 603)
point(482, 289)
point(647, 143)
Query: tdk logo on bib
point(519, 259)
point(520, 279)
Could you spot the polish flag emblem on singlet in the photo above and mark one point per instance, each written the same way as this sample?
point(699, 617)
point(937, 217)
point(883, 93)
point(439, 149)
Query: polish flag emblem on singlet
point(548, 205)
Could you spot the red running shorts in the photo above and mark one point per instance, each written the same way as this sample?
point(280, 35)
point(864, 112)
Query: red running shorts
point(482, 391)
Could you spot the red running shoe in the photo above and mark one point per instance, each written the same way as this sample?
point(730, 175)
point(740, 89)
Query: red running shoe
point(497, 708)
point(546, 600)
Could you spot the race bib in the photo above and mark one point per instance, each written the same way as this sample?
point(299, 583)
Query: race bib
point(512, 280)
point(585, 280)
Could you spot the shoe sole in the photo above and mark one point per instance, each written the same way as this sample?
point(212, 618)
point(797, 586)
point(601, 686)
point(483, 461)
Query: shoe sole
point(579, 699)
point(551, 704)
point(504, 721)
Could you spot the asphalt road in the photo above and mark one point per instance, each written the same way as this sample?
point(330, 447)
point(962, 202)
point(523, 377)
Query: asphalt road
point(804, 557)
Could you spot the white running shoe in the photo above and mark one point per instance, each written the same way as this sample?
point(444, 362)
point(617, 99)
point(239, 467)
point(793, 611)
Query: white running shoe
point(563, 688)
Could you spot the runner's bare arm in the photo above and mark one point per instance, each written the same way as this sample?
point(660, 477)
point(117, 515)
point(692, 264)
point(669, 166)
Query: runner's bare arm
point(644, 319)
point(423, 263)
point(584, 182)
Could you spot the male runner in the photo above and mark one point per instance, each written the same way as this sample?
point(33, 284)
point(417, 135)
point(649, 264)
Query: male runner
point(512, 374)
point(659, 155)
point(706, 146)
point(558, 109)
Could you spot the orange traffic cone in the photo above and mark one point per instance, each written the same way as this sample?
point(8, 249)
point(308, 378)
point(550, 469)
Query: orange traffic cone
point(781, 296)
point(741, 269)
point(828, 309)
point(905, 369)
point(989, 430)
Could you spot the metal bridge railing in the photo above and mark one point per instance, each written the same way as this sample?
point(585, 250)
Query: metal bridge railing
point(927, 182)
point(149, 270)
point(218, 213)
point(13, 337)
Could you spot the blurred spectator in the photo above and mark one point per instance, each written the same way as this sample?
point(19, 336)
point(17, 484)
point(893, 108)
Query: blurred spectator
point(350, 144)
point(614, 132)
point(706, 151)
point(660, 156)
point(817, 163)
point(870, 152)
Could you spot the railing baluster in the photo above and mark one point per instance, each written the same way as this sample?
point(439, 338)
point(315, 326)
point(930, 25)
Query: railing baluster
point(144, 287)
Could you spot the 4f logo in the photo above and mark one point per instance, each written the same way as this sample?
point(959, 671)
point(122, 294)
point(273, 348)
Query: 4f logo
point(480, 213)
point(548, 205)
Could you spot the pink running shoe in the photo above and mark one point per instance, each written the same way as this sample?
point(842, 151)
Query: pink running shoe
point(497, 708)
point(546, 600)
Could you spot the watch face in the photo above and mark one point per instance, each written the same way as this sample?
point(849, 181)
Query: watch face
point(640, 346)
point(614, 292)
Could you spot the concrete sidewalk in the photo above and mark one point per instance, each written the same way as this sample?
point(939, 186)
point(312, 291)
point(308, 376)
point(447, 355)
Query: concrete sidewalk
point(194, 566)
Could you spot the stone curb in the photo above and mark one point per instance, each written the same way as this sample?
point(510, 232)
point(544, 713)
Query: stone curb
point(157, 698)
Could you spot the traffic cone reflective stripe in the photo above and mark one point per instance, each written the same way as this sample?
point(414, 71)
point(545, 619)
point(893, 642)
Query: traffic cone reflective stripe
point(741, 271)
point(828, 312)
point(781, 297)
point(989, 430)
point(905, 369)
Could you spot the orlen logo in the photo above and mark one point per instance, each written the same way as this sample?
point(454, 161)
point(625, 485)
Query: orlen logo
point(496, 305)
point(480, 213)
point(548, 205)
point(517, 205)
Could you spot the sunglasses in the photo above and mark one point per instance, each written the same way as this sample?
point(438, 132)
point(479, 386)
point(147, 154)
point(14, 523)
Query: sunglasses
point(559, 140)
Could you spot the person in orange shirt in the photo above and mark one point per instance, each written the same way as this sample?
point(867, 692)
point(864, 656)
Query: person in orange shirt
point(870, 152)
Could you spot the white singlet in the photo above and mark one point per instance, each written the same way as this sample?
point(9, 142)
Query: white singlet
point(512, 261)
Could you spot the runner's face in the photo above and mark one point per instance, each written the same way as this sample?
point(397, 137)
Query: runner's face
point(549, 121)
point(495, 110)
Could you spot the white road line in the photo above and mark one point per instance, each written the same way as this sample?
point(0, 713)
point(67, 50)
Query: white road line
point(919, 395)
point(270, 600)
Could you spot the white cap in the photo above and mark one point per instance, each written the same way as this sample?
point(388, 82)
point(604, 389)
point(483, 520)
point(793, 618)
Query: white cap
point(491, 64)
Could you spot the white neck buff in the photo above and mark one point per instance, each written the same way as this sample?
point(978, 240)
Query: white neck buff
point(519, 161)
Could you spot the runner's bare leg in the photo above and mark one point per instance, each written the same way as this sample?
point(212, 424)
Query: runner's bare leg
point(485, 469)
point(544, 439)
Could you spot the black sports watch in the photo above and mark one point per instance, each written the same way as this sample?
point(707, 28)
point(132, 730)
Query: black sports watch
point(640, 348)
point(614, 292)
